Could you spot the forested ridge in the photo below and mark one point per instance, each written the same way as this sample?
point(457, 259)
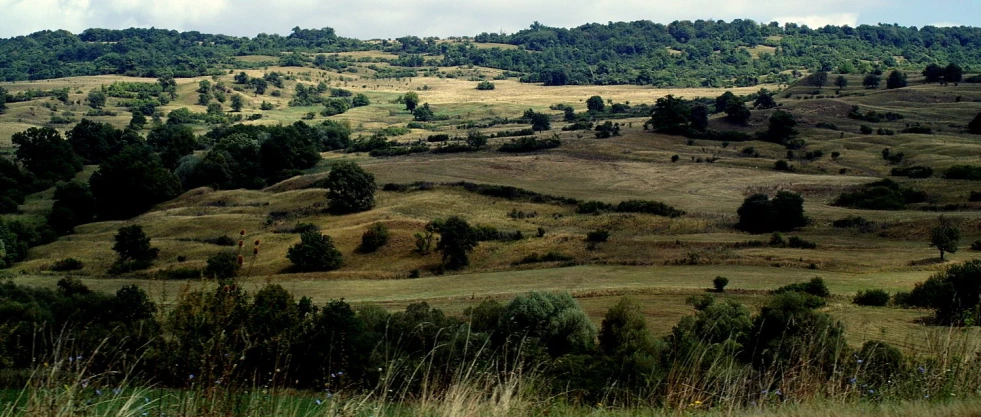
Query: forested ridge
point(682, 53)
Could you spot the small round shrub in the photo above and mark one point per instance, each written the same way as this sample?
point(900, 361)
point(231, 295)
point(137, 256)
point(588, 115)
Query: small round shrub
point(68, 264)
point(720, 283)
point(222, 265)
point(374, 238)
point(874, 298)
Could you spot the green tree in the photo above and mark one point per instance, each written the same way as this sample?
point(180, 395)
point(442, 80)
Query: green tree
point(173, 142)
point(360, 100)
point(953, 73)
point(237, 102)
point(315, 252)
point(841, 82)
point(137, 121)
point(670, 115)
point(897, 79)
point(872, 81)
point(722, 101)
point(131, 182)
point(374, 238)
point(133, 249)
point(204, 99)
point(954, 294)
point(737, 112)
point(411, 100)
point(945, 236)
point(699, 117)
point(456, 240)
point(44, 153)
point(553, 321)
point(624, 330)
point(204, 87)
point(350, 189)
point(3, 100)
point(423, 114)
point(818, 79)
point(539, 121)
point(96, 99)
point(975, 125)
point(595, 104)
point(764, 100)
point(782, 127)
point(759, 214)
point(933, 73)
point(476, 139)
point(222, 265)
point(74, 204)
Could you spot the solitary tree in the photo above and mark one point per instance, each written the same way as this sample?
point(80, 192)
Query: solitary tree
point(350, 189)
point(897, 79)
point(595, 104)
point(819, 79)
point(764, 100)
point(411, 100)
point(953, 73)
point(133, 249)
point(841, 82)
point(539, 121)
point(933, 73)
point(315, 252)
point(671, 115)
point(872, 81)
point(96, 99)
point(944, 236)
point(237, 103)
point(456, 240)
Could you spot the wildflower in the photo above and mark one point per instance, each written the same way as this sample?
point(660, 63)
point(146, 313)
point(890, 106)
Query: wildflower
point(318, 401)
point(777, 392)
point(851, 381)
point(329, 395)
point(921, 370)
point(340, 373)
point(117, 391)
point(764, 392)
point(191, 376)
point(146, 400)
point(871, 391)
point(98, 392)
point(379, 369)
point(859, 361)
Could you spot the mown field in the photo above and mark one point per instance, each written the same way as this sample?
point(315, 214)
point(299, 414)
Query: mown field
point(661, 261)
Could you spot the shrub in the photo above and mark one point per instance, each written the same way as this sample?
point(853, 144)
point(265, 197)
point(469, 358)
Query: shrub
point(976, 245)
point(954, 294)
point(760, 214)
point(374, 238)
point(782, 165)
point(485, 85)
point(874, 298)
point(720, 283)
point(529, 144)
point(912, 172)
point(552, 321)
point(815, 287)
point(222, 265)
point(648, 207)
point(350, 188)
point(865, 130)
point(881, 195)
point(315, 252)
point(881, 363)
point(597, 236)
point(593, 207)
point(67, 264)
point(963, 172)
point(798, 243)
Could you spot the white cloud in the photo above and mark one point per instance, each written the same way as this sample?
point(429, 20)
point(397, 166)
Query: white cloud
point(945, 24)
point(817, 21)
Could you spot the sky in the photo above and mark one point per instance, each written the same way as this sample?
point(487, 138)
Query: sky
point(385, 19)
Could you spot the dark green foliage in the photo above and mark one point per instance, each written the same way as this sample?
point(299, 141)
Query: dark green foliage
point(915, 171)
point(548, 257)
point(975, 125)
point(880, 363)
point(945, 236)
point(799, 243)
point(815, 287)
point(671, 115)
point(719, 283)
point(976, 245)
point(94, 141)
point(872, 81)
point(529, 144)
point(656, 208)
point(457, 240)
point(954, 294)
point(897, 79)
point(350, 189)
point(173, 142)
point(881, 195)
point(553, 321)
point(485, 85)
point(74, 205)
point(788, 331)
point(917, 128)
point(595, 104)
point(624, 334)
point(67, 264)
point(874, 116)
point(737, 112)
point(131, 182)
point(360, 100)
point(963, 172)
point(133, 250)
point(699, 117)
point(872, 298)
point(411, 101)
point(782, 165)
point(607, 130)
point(760, 214)
point(597, 236)
point(782, 128)
point(314, 253)
point(374, 238)
point(423, 114)
point(222, 265)
point(45, 154)
point(539, 121)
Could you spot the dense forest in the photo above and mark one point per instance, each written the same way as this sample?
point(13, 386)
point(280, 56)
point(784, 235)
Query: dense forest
point(682, 53)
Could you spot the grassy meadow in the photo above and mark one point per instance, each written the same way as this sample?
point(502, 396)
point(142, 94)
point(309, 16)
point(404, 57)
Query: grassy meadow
point(659, 261)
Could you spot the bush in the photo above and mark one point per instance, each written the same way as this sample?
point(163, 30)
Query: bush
point(222, 265)
point(374, 238)
point(915, 171)
point(881, 195)
point(350, 188)
point(815, 287)
point(954, 294)
point(873, 298)
point(976, 245)
point(881, 363)
point(865, 129)
point(798, 243)
point(485, 85)
point(315, 252)
point(67, 264)
point(760, 214)
point(963, 172)
point(782, 165)
point(529, 144)
point(597, 236)
point(720, 283)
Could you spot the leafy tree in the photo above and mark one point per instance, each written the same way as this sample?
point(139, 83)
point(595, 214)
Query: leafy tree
point(476, 139)
point(818, 79)
point(722, 101)
point(45, 154)
point(350, 189)
point(764, 100)
point(789, 333)
point(897, 79)
point(96, 99)
point(953, 73)
point(374, 238)
point(411, 100)
point(671, 115)
point(222, 265)
point(74, 204)
point(423, 114)
point(552, 321)
point(758, 214)
point(736, 112)
point(173, 142)
point(539, 121)
point(781, 127)
point(204, 87)
point(3, 100)
point(699, 117)
point(933, 73)
point(360, 100)
point(871, 81)
point(131, 182)
point(841, 82)
point(315, 252)
point(204, 99)
point(624, 330)
point(94, 141)
point(457, 239)
point(975, 125)
point(137, 121)
point(719, 283)
point(133, 249)
point(945, 236)
point(485, 85)
point(237, 102)
point(595, 104)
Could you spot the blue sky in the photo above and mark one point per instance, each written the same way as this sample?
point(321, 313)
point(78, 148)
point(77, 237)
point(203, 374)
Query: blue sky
point(367, 19)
